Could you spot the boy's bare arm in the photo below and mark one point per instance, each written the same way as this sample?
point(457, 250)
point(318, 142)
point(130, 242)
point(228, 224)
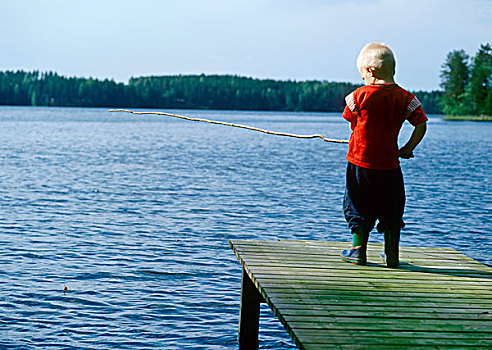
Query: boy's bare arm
point(418, 133)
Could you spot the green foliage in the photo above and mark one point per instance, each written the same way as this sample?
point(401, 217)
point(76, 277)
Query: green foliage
point(233, 92)
point(431, 101)
point(454, 77)
point(182, 91)
point(467, 84)
point(479, 87)
point(50, 89)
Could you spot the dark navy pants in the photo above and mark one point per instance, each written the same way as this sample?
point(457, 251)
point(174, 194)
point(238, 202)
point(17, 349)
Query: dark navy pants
point(372, 195)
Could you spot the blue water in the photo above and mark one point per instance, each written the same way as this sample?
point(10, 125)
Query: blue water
point(133, 215)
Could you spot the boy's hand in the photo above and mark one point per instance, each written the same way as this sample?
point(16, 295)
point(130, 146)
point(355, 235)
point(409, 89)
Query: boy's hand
point(406, 153)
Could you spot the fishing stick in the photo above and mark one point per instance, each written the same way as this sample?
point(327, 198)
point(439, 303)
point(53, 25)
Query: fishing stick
point(234, 125)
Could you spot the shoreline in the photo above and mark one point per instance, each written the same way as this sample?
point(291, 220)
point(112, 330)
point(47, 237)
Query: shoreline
point(474, 118)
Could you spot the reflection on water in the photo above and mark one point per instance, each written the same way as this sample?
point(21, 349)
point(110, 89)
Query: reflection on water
point(133, 215)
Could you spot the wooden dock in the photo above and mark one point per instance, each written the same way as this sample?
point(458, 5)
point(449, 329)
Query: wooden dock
point(437, 297)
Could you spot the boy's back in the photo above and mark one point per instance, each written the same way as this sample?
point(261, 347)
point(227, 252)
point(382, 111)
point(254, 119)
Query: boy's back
point(376, 114)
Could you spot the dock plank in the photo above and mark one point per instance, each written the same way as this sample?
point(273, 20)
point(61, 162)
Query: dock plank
point(436, 298)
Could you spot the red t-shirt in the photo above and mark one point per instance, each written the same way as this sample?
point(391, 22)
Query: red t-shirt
point(376, 114)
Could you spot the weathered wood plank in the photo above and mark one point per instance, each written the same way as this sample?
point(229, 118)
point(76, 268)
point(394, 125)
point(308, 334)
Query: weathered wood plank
point(390, 304)
point(326, 245)
point(407, 262)
point(387, 347)
point(315, 285)
point(408, 342)
point(473, 307)
point(373, 248)
point(402, 339)
point(427, 267)
point(376, 324)
point(379, 311)
point(369, 283)
point(349, 333)
point(332, 255)
point(296, 251)
point(360, 274)
point(389, 300)
point(421, 269)
point(376, 295)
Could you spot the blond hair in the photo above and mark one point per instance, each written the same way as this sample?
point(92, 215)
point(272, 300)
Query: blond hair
point(379, 56)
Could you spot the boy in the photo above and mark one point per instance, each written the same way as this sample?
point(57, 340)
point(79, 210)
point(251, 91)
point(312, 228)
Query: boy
point(374, 182)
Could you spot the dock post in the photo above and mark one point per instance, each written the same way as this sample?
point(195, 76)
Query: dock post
point(249, 314)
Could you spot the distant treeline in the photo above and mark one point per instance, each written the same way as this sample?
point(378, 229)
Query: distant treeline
point(183, 91)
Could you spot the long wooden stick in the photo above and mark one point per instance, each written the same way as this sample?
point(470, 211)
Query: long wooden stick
point(234, 125)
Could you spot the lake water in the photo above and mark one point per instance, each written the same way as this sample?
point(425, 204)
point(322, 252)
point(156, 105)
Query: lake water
point(133, 215)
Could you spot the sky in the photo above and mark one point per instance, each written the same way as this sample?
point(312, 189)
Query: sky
point(278, 39)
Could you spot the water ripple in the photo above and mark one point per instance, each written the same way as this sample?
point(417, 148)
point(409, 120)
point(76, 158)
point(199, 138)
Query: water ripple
point(133, 215)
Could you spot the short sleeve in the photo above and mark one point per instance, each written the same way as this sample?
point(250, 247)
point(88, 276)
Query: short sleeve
point(415, 112)
point(350, 101)
point(349, 111)
point(348, 115)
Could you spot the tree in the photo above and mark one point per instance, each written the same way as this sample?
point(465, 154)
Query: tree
point(454, 77)
point(467, 84)
point(479, 87)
